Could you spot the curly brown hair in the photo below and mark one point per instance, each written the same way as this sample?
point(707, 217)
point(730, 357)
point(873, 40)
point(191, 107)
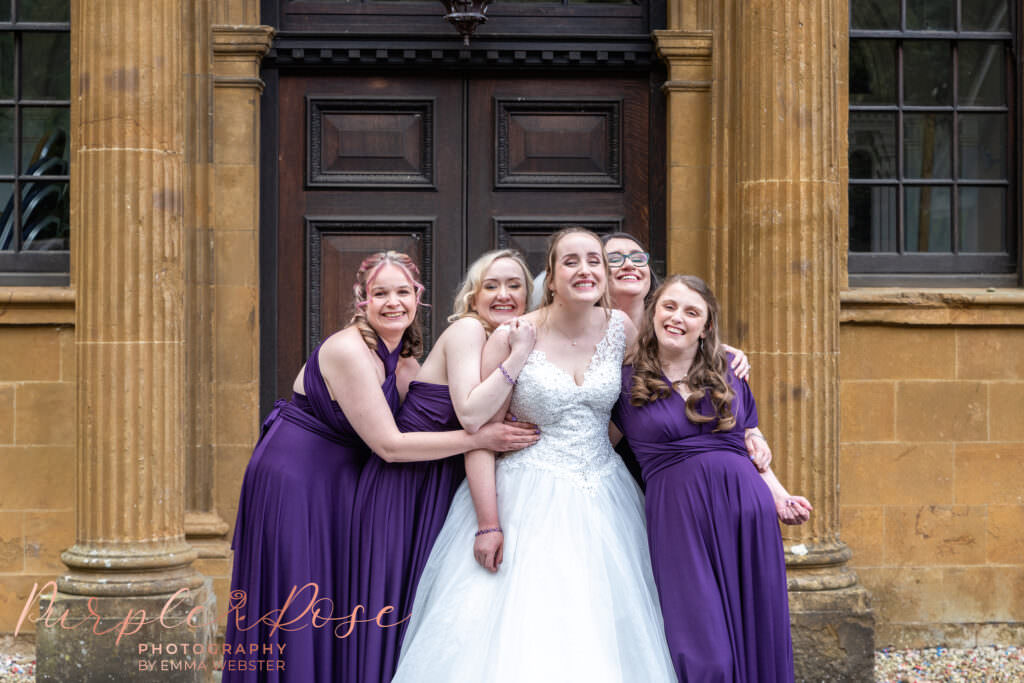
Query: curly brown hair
point(412, 338)
point(708, 372)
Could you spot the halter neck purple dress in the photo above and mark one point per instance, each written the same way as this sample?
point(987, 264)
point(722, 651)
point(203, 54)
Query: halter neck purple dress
point(399, 511)
point(294, 514)
point(714, 539)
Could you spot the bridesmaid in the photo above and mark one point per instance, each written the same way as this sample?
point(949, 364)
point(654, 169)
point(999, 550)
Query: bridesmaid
point(711, 519)
point(400, 508)
point(289, 595)
point(628, 287)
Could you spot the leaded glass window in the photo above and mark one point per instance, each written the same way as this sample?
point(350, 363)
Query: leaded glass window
point(932, 141)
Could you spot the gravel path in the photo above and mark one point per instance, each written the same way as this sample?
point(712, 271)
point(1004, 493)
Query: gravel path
point(934, 665)
point(947, 665)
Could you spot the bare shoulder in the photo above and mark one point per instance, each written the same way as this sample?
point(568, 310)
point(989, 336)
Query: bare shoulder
point(465, 330)
point(342, 345)
point(534, 317)
point(628, 328)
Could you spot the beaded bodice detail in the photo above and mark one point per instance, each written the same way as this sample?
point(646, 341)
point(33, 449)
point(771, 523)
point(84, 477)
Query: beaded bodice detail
point(573, 419)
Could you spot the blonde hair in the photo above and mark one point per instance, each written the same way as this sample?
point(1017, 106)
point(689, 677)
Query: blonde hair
point(549, 296)
point(412, 338)
point(464, 305)
point(707, 373)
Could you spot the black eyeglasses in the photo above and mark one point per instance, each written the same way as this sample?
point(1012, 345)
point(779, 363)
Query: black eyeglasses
point(639, 258)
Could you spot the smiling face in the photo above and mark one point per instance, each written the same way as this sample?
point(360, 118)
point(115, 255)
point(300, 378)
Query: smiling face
point(502, 292)
point(628, 280)
point(680, 319)
point(579, 272)
point(390, 301)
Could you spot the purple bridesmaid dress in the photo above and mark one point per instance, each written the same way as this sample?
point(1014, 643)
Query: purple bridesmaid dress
point(714, 538)
point(399, 511)
point(294, 514)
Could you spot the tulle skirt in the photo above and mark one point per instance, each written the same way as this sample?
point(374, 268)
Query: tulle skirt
point(574, 599)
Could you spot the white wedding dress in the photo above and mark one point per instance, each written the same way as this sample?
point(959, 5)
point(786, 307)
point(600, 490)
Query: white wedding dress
point(574, 599)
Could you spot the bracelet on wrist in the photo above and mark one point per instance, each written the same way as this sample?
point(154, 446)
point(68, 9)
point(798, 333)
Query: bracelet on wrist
point(489, 531)
point(504, 373)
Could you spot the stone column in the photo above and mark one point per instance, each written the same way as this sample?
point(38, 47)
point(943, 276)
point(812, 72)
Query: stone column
point(129, 223)
point(779, 185)
point(688, 93)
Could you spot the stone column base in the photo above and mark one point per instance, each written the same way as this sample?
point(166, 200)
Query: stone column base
point(833, 635)
point(78, 640)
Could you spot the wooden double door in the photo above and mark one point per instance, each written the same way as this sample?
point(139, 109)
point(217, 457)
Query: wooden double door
point(442, 168)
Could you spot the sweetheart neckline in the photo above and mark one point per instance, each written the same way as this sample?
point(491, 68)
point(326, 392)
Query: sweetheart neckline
point(590, 363)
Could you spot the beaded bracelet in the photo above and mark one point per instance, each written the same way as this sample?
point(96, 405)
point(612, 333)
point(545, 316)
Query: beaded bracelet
point(489, 531)
point(504, 372)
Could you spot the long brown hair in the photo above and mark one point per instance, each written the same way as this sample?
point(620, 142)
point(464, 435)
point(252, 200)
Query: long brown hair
point(707, 373)
point(412, 338)
point(549, 296)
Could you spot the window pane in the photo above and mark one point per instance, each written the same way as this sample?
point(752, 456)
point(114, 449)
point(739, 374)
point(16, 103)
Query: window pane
point(985, 15)
point(872, 137)
point(872, 72)
point(43, 10)
point(982, 219)
point(44, 216)
point(873, 218)
point(875, 14)
point(983, 146)
point(5, 10)
point(931, 15)
point(46, 66)
point(982, 74)
point(6, 140)
point(927, 145)
point(927, 72)
point(44, 133)
point(7, 217)
point(927, 219)
point(6, 65)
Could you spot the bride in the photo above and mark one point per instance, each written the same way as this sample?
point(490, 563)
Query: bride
point(561, 589)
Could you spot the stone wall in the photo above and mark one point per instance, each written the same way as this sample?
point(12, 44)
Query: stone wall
point(37, 441)
point(932, 463)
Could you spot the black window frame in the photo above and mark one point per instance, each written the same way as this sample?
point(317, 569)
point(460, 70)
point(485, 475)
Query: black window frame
point(933, 269)
point(27, 267)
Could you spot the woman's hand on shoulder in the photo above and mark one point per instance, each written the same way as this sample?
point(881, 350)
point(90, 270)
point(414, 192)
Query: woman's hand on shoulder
point(522, 335)
point(740, 363)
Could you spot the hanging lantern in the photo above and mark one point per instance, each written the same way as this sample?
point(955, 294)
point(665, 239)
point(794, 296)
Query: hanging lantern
point(465, 15)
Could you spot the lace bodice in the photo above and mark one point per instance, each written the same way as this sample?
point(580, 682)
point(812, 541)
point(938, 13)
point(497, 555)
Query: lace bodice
point(573, 419)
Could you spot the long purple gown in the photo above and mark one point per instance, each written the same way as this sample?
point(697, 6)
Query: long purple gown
point(399, 511)
point(294, 514)
point(714, 539)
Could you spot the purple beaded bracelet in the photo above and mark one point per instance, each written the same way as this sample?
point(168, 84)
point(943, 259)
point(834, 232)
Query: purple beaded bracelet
point(504, 372)
point(489, 531)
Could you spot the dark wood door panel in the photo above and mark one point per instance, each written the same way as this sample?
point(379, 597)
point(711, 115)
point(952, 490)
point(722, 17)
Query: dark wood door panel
point(365, 164)
point(560, 151)
point(442, 168)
